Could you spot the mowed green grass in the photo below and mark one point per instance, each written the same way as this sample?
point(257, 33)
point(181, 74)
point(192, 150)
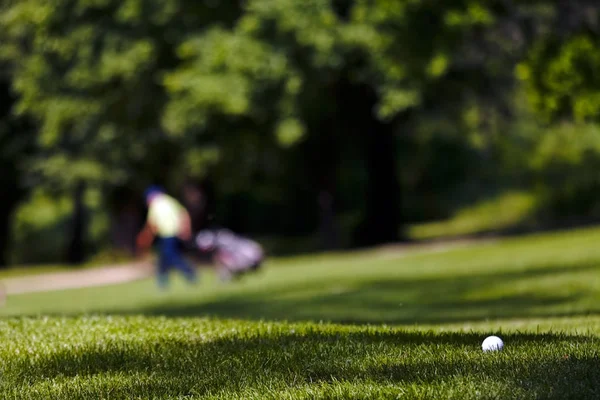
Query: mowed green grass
point(149, 358)
point(372, 324)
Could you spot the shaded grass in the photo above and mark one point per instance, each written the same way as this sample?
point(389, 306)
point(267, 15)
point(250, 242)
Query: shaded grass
point(539, 292)
point(141, 357)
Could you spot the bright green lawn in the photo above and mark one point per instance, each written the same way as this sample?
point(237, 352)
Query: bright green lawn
point(541, 294)
point(143, 358)
point(507, 210)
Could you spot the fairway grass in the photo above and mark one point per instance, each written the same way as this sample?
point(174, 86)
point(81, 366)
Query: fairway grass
point(504, 211)
point(157, 357)
point(373, 324)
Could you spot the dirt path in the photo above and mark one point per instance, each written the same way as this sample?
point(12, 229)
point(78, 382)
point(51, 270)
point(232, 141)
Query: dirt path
point(111, 275)
point(77, 279)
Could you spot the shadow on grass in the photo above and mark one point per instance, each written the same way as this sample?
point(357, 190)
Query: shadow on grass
point(394, 300)
point(539, 366)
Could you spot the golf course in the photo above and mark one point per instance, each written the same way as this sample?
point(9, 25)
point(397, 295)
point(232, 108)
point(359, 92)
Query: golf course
point(390, 322)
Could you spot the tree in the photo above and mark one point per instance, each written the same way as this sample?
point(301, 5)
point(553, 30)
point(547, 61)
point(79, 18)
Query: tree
point(355, 72)
point(278, 98)
point(559, 73)
point(87, 73)
point(16, 139)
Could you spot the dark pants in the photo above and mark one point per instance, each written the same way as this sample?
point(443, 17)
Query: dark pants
point(170, 256)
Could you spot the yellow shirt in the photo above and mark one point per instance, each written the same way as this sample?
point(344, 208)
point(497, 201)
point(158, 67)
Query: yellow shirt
point(165, 213)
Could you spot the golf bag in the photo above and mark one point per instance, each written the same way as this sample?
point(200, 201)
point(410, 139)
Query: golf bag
point(233, 254)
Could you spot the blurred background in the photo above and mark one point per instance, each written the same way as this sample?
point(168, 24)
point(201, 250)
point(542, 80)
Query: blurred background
point(308, 125)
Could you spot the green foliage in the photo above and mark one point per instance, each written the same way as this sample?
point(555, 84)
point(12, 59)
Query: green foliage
point(557, 163)
point(127, 92)
point(89, 73)
point(280, 51)
point(41, 225)
point(566, 146)
point(273, 80)
point(289, 132)
point(566, 161)
point(561, 78)
point(218, 73)
point(39, 231)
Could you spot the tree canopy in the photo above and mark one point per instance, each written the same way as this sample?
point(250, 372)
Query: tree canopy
point(277, 102)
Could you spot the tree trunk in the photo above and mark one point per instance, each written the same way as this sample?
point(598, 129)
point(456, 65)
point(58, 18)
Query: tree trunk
point(4, 229)
point(322, 162)
point(382, 204)
point(7, 203)
point(11, 192)
point(381, 220)
point(10, 196)
point(327, 225)
point(126, 218)
point(126, 223)
point(76, 248)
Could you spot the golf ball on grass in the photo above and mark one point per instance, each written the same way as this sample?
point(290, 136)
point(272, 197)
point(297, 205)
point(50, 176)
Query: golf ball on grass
point(492, 343)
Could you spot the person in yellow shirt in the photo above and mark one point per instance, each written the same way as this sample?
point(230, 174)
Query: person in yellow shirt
point(170, 222)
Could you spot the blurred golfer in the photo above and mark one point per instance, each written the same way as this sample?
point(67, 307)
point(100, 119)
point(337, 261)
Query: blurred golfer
point(169, 221)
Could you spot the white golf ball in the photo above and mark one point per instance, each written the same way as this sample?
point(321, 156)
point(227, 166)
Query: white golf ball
point(492, 343)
